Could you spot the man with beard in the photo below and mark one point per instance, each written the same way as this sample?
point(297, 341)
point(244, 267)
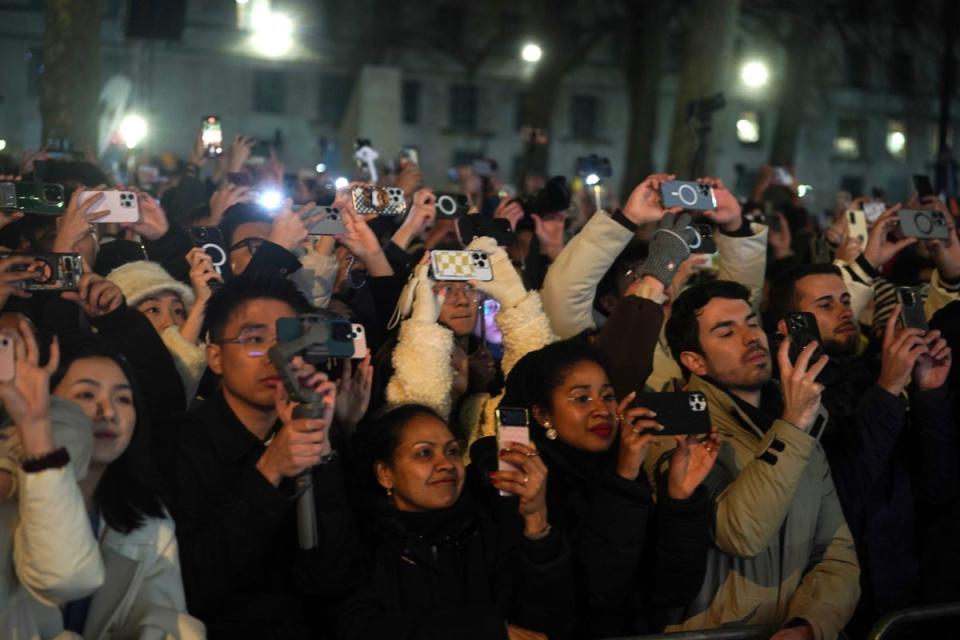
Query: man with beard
point(884, 473)
point(780, 540)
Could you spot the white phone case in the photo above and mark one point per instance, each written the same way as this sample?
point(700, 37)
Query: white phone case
point(123, 205)
point(857, 221)
point(359, 342)
point(461, 265)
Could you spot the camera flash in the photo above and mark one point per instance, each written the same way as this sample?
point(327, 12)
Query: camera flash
point(271, 199)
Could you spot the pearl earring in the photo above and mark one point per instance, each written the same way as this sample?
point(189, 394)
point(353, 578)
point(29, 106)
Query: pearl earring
point(551, 432)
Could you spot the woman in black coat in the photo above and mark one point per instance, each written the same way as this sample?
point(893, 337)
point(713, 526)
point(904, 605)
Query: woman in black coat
point(635, 556)
point(442, 567)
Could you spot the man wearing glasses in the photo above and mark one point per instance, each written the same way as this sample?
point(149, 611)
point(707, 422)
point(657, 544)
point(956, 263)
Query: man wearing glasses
point(233, 492)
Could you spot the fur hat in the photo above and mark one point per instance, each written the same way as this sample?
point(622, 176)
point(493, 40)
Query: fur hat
point(141, 279)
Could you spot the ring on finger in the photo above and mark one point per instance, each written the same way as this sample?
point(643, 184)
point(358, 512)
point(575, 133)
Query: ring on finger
point(635, 430)
point(532, 454)
point(526, 479)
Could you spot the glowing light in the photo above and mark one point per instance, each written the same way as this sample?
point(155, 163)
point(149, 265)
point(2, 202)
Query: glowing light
point(271, 199)
point(321, 168)
point(133, 129)
point(592, 179)
point(896, 142)
point(341, 183)
point(754, 74)
point(272, 33)
point(3, 145)
point(531, 52)
point(803, 189)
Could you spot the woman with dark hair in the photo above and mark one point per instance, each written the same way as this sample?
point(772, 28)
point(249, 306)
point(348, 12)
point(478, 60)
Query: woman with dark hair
point(442, 568)
point(594, 448)
point(142, 591)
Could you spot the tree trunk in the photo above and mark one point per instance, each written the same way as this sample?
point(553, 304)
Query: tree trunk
point(795, 87)
point(709, 48)
point(642, 57)
point(70, 83)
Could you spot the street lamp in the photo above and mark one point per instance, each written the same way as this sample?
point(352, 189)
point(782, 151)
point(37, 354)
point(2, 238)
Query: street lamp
point(133, 129)
point(272, 33)
point(754, 74)
point(531, 52)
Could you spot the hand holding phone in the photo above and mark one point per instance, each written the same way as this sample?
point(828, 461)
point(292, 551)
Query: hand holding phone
point(687, 194)
point(211, 135)
point(461, 266)
point(912, 315)
point(122, 206)
point(513, 427)
point(857, 224)
point(802, 329)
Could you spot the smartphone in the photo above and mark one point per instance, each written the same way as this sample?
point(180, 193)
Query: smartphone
point(700, 239)
point(383, 201)
point(360, 348)
point(477, 226)
point(330, 225)
point(802, 327)
point(452, 205)
point(873, 210)
point(923, 223)
point(211, 135)
point(483, 167)
point(40, 198)
point(782, 177)
point(923, 186)
point(857, 222)
point(820, 252)
point(460, 265)
point(410, 154)
point(687, 194)
point(8, 367)
point(122, 205)
point(59, 271)
point(331, 338)
point(210, 239)
point(680, 412)
point(911, 308)
point(513, 425)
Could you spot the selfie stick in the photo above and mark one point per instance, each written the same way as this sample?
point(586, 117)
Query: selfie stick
point(310, 405)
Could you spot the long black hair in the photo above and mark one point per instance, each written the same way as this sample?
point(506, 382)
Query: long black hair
point(127, 493)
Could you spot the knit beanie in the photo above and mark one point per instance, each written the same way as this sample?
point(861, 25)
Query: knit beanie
point(141, 279)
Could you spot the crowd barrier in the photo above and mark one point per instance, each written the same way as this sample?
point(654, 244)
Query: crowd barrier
point(885, 625)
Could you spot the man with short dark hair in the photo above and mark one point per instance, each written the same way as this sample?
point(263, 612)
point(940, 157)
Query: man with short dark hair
point(233, 495)
point(783, 553)
point(884, 471)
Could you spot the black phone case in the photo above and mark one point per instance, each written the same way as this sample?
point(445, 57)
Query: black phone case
point(680, 412)
point(802, 327)
point(911, 308)
point(477, 226)
point(704, 242)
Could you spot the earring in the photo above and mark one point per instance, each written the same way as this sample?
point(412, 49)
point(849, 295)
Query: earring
point(389, 492)
point(551, 432)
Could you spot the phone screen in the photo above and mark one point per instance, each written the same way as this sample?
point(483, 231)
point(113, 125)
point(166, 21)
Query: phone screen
point(923, 186)
point(212, 136)
point(512, 426)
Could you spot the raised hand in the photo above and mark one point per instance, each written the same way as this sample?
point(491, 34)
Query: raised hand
point(290, 228)
point(76, 225)
point(97, 296)
point(153, 223)
point(799, 386)
point(637, 432)
point(729, 214)
point(690, 464)
point(901, 352)
point(528, 482)
point(26, 398)
point(224, 198)
point(353, 392)
point(509, 209)
point(933, 368)
point(201, 273)
point(549, 230)
point(10, 279)
point(644, 204)
point(880, 249)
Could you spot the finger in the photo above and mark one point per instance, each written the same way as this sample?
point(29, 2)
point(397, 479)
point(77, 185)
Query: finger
point(626, 402)
point(817, 367)
point(783, 358)
point(53, 361)
point(639, 412)
point(29, 342)
point(890, 330)
point(19, 276)
point(640, 427)
point(803, 360)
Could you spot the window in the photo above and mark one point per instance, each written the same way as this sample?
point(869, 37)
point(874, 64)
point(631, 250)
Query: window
point(584, 116)
point(748, 127)
point(269, 91)
point(463, 106)
point(334, 95)
point(849, 138)
point(897, 139)
point(411, 102)
point(34, 59)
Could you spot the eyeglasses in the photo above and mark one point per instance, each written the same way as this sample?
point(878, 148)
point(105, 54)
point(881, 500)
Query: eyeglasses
point(449, 290)
point(250, 244)
point(254, 342)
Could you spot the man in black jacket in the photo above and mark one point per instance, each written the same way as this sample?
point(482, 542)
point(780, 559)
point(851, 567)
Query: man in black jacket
point(232, 492)
point(879, 471)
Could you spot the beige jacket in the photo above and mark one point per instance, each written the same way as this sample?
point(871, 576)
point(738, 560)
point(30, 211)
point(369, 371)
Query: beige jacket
point(782, 549)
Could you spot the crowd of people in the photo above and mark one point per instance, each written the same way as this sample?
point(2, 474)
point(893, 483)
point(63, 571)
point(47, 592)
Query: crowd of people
point(163, 462)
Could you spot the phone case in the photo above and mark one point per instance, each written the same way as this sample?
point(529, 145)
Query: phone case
point(7, 363)
point(383, 201)
point(330, 225)
point(359, 342)
point(873, 210)
point(687, 194)
point(680, 412)
point(470, 227)
point(911, 308)
point(857, 222)
point(820, 251)
point(452, 205)
point(60, 271)
point(515, 433)
point(461, 265)
point(123, 205)
point(923, 223)
point(701, 240)
point(802, 327)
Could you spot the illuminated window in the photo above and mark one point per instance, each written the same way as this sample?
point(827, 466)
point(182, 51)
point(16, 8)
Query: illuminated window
point(748, 127)
point(847, 143)
point(897, 139)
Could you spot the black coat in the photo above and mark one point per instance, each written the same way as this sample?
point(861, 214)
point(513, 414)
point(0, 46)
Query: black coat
point(243, 571)
point(459, 573)
point(632, 562)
